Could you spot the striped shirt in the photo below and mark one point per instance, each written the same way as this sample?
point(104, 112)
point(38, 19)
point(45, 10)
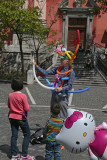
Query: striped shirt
point(52, 128)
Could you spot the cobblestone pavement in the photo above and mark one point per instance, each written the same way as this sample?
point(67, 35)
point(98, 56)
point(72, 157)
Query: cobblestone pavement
point(91, 101)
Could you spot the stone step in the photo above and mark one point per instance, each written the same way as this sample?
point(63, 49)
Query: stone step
point(81, 55)
point(92, 81)
point(82, 68)
point(76, 63)
point(87, 80)
point(88, 83)
point(80, 58)
point(79, 66)
point(88, 76)
point(80, 83)
point(78, 80)
point(83, 76)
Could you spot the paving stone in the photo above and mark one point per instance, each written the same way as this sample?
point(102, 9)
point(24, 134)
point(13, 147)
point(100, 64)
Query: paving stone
point(91, 101)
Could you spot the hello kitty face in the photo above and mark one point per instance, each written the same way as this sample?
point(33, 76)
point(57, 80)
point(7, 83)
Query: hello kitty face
point(78, 131)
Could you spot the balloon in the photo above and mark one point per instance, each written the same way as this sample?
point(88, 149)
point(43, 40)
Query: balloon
point(51, 88)
point(77, 39)
point(70, 54)
point(67, 78)
point(59, 68)
point(99, 144)
point(80, 133)
point(55, 84)
point(59, 50)
point(51, 84)
point(79, 91)
point(77, 132)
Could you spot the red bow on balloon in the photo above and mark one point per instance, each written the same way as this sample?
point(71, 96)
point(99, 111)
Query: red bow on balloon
point(73, 118)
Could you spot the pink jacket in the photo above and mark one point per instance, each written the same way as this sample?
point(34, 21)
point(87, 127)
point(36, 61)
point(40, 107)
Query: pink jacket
point(17, 103)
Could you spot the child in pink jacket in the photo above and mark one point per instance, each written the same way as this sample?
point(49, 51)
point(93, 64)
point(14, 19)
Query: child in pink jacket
point(18, 108)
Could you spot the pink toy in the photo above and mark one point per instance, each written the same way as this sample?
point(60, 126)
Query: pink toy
point(80, 133)
point(59, 48)
point(98, 147)
point(55, 84)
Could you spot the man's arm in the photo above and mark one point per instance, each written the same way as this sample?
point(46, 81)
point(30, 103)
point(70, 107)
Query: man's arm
point(47, 72)
point(43, 71)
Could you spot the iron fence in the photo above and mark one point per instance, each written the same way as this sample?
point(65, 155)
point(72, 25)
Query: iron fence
point(100, 57)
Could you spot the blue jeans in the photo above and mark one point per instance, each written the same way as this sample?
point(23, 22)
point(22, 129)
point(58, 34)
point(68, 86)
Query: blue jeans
point(26, 133)
point(52, 148)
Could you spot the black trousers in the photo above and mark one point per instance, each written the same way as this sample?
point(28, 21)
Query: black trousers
point(63, 101)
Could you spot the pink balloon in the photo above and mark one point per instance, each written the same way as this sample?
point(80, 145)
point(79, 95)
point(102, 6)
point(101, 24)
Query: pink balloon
point(99, 144)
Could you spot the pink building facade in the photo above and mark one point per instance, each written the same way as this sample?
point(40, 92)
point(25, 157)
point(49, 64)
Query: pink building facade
point(93, 29)
point(70, 15)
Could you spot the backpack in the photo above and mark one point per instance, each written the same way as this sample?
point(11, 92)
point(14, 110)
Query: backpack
point(37, 137)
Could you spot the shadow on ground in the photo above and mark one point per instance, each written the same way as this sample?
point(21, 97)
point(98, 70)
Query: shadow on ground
point(6, 149)
point(40, 158)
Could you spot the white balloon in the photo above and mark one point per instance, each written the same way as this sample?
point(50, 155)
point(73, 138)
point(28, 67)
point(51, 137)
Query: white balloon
point(77, 132)
point(42, 85)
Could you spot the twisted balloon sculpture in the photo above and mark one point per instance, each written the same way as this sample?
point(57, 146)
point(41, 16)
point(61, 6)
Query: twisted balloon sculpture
point(70, 54)
point(71, 57)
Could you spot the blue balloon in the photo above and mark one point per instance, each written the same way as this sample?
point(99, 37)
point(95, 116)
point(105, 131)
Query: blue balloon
point(66, 78)
point(50, 84)
point(78, 91)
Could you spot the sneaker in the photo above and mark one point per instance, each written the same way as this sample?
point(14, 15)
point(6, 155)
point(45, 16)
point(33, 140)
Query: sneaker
point(16, 157)
point(28, 157)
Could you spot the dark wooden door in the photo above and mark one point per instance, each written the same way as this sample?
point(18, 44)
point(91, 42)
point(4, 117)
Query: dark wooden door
point(74, 24)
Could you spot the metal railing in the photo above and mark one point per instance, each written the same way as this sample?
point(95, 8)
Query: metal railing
point(100, 59)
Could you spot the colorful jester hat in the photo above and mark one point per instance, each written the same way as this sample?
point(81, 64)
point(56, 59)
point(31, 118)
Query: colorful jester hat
point(68, 54)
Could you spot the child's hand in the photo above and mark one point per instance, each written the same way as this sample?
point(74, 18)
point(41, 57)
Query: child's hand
point(59, 89)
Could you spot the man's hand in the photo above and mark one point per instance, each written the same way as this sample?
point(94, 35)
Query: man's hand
point(59, 89)
point(34, 63)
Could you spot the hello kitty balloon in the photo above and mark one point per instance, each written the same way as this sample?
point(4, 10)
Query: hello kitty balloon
point(80, 132)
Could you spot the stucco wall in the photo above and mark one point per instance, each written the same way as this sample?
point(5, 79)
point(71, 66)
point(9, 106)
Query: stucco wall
point(26, 4)
point(51, 10)
point(99, 26)
point(72, 4)
point(99, 23)
point(42, 6)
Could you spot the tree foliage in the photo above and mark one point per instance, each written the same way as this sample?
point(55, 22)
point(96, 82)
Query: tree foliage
point(102, 6)
point(19, 20)
point(25, 21)
point(44, 31)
